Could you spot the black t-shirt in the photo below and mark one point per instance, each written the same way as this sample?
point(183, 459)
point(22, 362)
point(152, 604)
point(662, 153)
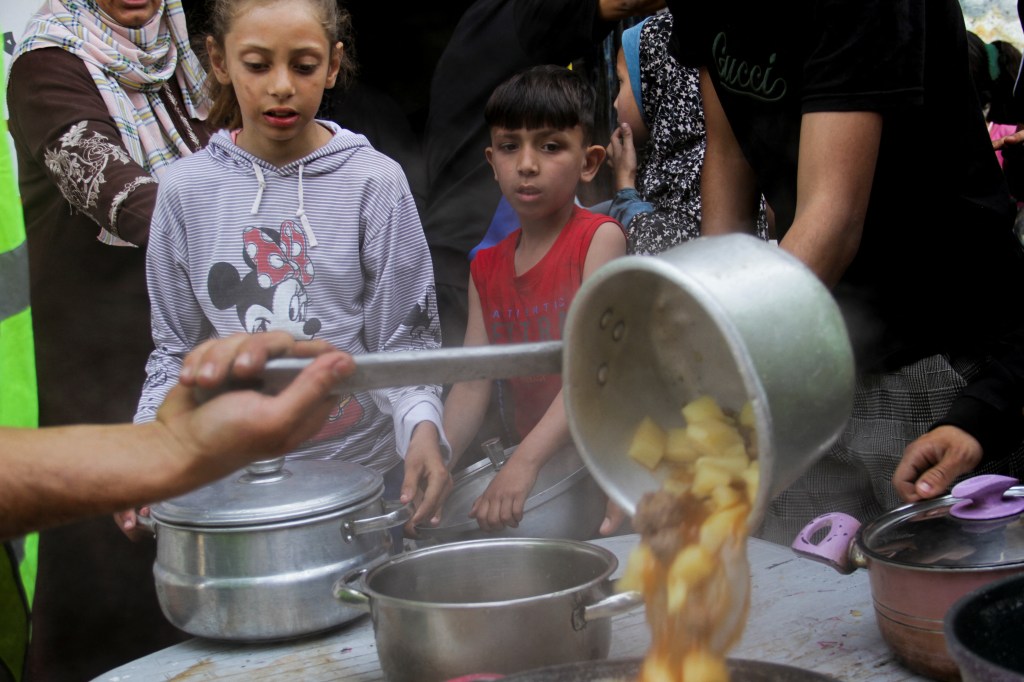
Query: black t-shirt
point(937, 256)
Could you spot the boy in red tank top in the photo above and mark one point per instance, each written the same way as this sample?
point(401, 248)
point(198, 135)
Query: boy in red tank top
point(541, 123)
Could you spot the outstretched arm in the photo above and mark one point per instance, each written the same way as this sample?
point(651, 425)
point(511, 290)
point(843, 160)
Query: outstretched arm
point(57, 474)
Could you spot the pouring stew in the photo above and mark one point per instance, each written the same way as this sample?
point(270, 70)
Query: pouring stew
point(691, 565)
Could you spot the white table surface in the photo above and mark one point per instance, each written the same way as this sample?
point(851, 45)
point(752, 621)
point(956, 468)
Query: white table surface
point(802, 614)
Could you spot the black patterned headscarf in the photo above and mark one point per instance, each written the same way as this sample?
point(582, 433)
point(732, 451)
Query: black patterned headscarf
point(669, 174)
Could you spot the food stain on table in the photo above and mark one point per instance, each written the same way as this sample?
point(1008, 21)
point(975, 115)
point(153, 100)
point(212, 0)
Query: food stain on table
point(198, 668)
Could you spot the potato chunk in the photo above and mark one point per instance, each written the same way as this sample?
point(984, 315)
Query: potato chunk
point(704, 409)
point(713, 438)
point(709, 475)
point(679, 447)
point(648, 444)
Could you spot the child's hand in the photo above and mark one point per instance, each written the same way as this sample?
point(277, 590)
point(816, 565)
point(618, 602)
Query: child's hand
point(128, 522)
point(427, 481)
point(502, 503)
point(622, 157)
point(613, 518)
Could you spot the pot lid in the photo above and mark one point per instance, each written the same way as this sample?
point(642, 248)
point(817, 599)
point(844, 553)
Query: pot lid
point(966, 529)
point(271, 491)
point(557, 475)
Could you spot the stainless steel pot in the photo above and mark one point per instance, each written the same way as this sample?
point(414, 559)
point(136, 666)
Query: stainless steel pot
point(923, 557)
point(565, 502)
point(254, 556)
point(498, 605)
point(626, 670)
point(729, 316)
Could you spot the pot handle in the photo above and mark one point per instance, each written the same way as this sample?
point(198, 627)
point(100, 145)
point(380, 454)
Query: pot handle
point(348, 595)
point(395, 514)
point(606, 608)
point(834, 549)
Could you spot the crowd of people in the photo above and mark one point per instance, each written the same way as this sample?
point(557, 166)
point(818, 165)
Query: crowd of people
point(189, 215)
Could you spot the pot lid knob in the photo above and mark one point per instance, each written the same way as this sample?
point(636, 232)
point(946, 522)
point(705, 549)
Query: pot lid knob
point(265, 471)
point(984, 498)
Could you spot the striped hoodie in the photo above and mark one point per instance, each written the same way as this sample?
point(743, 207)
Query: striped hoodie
point(328, 247)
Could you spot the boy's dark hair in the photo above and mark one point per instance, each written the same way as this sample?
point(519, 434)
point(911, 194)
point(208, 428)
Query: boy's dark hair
point(543, 96)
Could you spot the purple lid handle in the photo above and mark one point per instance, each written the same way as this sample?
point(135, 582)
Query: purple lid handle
point(834, 548)
point(984, 500)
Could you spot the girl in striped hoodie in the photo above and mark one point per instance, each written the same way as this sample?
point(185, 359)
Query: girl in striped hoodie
point(288, 222)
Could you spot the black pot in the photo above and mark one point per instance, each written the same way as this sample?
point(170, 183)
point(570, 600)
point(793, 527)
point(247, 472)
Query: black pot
point(984, 630)
point(627, 669)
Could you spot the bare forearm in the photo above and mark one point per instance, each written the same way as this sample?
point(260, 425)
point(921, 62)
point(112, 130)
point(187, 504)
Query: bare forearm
point(546, 438)
point(52, 475)
point(464, 412)
point(836, 168)
point(728, 186)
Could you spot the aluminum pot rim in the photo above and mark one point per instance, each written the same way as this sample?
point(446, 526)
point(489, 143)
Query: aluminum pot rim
point(532, 503)
point(612, 564)
point(269, 526)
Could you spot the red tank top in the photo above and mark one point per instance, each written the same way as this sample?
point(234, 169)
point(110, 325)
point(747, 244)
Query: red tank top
point(533, 306)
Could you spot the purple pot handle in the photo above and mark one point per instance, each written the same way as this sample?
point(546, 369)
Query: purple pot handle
point(833, 549)
point(983, 498)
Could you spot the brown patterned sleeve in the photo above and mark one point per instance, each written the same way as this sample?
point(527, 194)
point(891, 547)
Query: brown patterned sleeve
point(59, 121)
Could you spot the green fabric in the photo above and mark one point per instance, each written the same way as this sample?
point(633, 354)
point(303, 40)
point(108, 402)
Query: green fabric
point(18, 405)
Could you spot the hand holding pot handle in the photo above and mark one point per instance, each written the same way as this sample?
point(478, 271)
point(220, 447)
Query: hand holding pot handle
point(834, 548)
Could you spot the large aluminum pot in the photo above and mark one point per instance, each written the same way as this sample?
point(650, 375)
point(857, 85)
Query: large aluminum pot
point(627, 669)
point(922, 557)
point(984, 630)
point(728, 316)
point(253, 557)
point(565, 502)
point(498, 605)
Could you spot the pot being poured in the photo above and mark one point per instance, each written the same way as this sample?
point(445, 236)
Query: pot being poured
point(728, 316)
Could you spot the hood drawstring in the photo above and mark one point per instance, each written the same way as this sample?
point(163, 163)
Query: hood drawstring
point(259, 193)
point(300, 213)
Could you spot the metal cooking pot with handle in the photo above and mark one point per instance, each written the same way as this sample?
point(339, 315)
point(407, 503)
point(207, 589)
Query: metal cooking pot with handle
point(728, 316)
point(924, 556)
point(253, 556)
point(498, 605)
point(565, 501)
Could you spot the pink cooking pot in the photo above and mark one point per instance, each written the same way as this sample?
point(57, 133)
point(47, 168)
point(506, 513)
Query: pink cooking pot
point(924, 556)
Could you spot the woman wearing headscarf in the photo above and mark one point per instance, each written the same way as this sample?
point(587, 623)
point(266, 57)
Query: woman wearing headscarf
point(103, 95)
point(661, 115)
